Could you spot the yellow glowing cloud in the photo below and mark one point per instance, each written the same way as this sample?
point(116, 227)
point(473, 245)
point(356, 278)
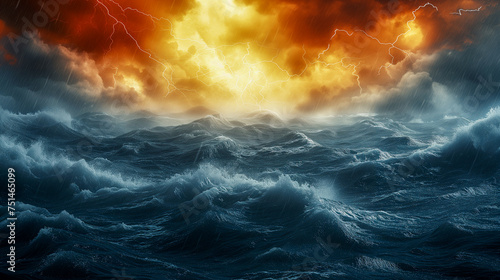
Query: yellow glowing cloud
point(235, 55)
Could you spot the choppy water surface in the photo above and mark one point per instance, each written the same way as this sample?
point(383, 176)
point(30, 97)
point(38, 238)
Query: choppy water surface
point(147, 197)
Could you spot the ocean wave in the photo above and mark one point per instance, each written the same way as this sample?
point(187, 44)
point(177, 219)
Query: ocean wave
point(234, 209)
point(44, 118)
point(395, 142)
point(356, 197)
point(54, 174)
point(477, 143)
point(265, 117)
point(292, 143)
point(32, 219)
point(377, 264)
point(210, 122)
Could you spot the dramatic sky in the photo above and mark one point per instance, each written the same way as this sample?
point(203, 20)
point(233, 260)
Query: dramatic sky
point(290, 56)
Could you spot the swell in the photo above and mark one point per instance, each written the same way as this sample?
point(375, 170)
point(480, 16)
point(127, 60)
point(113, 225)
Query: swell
point(254, 198)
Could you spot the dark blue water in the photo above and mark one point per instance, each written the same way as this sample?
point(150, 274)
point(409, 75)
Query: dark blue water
point(354, 197)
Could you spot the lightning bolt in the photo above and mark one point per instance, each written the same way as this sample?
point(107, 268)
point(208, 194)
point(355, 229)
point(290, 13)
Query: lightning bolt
point(408, 31)
point(167, 68)
point(252, 69)
point(459, 12)
point(216, 51)
point(250, 77)
point(392, 45)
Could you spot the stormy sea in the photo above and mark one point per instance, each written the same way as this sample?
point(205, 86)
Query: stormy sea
point(142, 196)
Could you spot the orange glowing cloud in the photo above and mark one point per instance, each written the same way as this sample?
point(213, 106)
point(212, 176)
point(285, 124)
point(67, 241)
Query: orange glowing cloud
point(233, 55)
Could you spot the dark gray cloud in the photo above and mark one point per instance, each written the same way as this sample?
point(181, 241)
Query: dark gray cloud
point(465, 81)
point(473, 74)
point(44, 77)
point(413, 94)
point(50, 76)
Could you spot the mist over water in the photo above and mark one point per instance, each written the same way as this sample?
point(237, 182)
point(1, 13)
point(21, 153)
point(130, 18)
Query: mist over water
point(357, 197)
